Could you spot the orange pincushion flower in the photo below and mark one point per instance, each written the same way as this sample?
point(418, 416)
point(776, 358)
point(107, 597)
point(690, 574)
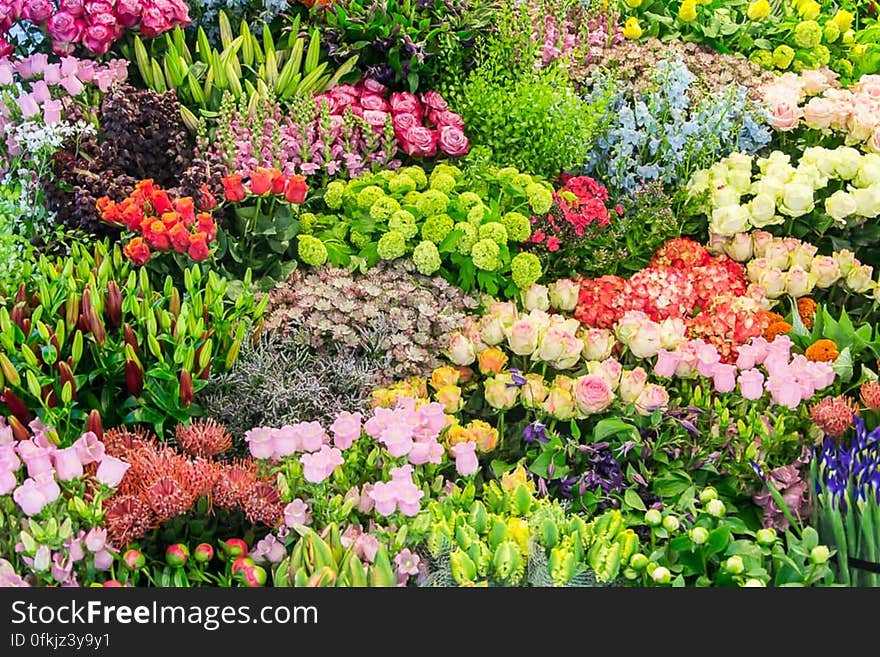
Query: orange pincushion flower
point(822, 351)
point(807, 310)
point(776, 328)
point(870, 395)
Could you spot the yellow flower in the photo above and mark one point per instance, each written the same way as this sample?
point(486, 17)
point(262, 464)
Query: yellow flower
point(844, 19)
point(758, 10)
point(444, 376)
point(809, 10)
point(631, 29)
point(450, 397)
point(687, 12)
point(491, 360)
point(513, 478)
point(633, 4)
point(456, 434)
point(383, 398)
point(518, 530)
point(484, 434)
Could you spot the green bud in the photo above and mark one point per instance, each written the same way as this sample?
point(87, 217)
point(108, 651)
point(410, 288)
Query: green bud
point(498, 532)
point(522, 499)
point(753, 583)
point(708, 494)
point(463, 568)
point(734, 565)
point(699, 535)
point(638, 561)
point(479, 517)
point(820, 554)
point(671, 523)
point(653, 518)
point(716, 508)
point(661, 575)
point(549, 533)
point(766, 537)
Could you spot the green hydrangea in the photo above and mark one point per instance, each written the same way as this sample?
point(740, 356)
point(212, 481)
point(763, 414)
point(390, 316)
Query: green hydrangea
point(518, 226)
point(443, 182)
point(432, 202)
point(448, 170)
point(844, 67)
point(404, 222)
point(485, 255)
point(782, 56)
point(349, 196)
point(469, 199)
point(383, 208)
point(385, 175)
point(822, 55)
point(401, 184)
point(311, 250)
point(469, 237)
point(369, 195)
point(418, 175)
point(307, 223)
point(540, 198)
point(763, 58)
point(808, 34)
point(476, 214)
point(333, 194)
point(507, 174)
point(358, 239)
point(494, 231)
point(391, 245)
point(412, 199)
point(525, 270)
point(427, 257)
point(436, 227)
point(522, 180)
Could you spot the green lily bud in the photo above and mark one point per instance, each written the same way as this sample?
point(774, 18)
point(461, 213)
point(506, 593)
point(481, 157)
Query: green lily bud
point(699, 535)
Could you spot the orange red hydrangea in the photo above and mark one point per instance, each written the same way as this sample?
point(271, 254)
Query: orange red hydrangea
point(160, 223)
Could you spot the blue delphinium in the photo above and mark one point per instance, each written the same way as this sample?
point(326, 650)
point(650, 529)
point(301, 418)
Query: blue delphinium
point(661, 135)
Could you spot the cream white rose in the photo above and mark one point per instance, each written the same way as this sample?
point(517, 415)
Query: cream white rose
point(840, 205)
point(797, 200)
point(867, 201)
point(846, 162)
point(826, 270)
point(762, 210)
point(799, 282)
point(729, 220)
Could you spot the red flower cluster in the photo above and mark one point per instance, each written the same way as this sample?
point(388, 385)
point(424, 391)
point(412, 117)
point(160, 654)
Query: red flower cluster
point(711, 294)
point(580, 204)
point(162, 484)
point(264, 182)
point(160, 223)
point(422, 124)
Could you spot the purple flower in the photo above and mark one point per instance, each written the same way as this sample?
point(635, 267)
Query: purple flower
point(535, 431)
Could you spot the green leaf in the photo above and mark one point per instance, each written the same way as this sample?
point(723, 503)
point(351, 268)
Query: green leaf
point(632, 500)
point(611, 427)
point(718, 540)
point(843, 365)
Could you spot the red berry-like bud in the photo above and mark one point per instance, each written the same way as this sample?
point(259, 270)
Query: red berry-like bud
point(203, 553)
point(176, 555)
point(134, 559)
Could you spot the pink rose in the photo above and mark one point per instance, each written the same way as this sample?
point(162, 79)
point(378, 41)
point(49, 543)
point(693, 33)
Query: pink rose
point(632, 382)
point(609, 369)
point(374, 86)
point(814, 82)
point(64, 27)
point(374, 102)
point(652, 398)
point(376, 118)
point(128, 12)
point(868, 85)
point(403, 123)
point(97, 38)
point(403, 102)
point(419, 141)
point(433, 100)
point(453, 141)
point(73, 7)
point(445, 117)
point(785, 115)
point(819, 113)
point(63, 48)
point(751, 384)
point(346, 428)
point(153, 21)
point(37, 11)
point(592, 394)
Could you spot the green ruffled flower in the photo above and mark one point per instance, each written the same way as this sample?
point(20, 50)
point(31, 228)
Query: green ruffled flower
point(432, 202)
point(358, 239)
point(349, 196)
point(485, 255)
point(427, 257)
point(391, 245)
point(385, 175)
point(447, 169)
point(763, 58)
point(333, 194)
point(442, 182)
point(369, 195)
point(522, 180)
point(518, 226)
point(782, 56)
point(311, 250)
point(401, 183)
point(469, 237)
point(507, 174)
point(831, 32)
point(436, 227)
point(418, 175)
point(383, 207)
point(476, 214)
point(822, 55)
point(525, 270)
point(403, 222)
point(494, 231)
point(469, 199)
point(808, 34)
point(540, 198)
point(412, 199)
point(307, 223)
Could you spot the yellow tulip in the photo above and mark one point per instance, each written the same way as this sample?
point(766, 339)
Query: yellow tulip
point(758, 10)
point(687, 12)
point(631, 29)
